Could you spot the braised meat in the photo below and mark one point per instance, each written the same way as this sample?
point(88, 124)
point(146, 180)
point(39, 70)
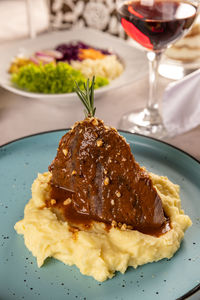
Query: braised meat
point(95, 177)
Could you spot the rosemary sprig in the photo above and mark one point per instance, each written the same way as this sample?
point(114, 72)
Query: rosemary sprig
point(87, 97)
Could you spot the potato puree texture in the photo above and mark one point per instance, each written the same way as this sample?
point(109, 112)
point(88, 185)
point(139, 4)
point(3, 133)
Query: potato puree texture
point(98, 252)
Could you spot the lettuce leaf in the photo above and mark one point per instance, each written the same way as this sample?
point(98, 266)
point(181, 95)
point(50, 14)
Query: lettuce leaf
point(51, 78)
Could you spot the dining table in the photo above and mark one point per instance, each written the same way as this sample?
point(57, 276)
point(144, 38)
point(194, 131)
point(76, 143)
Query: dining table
point(21, 116)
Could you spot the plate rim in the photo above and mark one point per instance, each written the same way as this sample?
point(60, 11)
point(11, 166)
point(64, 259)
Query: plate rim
point(196, 288)
point(191, 292)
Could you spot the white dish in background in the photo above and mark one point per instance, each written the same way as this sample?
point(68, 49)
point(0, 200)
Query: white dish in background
point(133, 59)
point(176, 69)
point(171, 68)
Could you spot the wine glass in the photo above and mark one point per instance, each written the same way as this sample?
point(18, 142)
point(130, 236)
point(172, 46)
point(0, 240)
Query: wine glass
point(154, 24)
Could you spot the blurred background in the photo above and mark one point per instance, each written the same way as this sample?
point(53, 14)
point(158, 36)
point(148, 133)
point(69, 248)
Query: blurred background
point(28, 18)
point(31, 17)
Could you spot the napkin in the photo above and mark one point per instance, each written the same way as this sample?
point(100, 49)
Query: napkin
point(181, 104)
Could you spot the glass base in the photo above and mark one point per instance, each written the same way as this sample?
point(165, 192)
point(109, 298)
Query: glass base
point(146, 122)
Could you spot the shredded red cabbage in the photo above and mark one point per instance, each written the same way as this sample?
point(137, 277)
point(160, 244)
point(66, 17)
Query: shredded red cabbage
point(71, 51)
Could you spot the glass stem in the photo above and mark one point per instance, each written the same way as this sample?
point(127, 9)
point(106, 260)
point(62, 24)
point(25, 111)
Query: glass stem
point(154, 59)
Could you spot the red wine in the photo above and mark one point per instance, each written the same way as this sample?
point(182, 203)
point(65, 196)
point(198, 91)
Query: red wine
point(156, 23)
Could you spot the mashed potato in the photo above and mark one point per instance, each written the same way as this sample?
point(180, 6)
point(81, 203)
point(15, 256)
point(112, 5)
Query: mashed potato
point(108, 67)
point(99, 252)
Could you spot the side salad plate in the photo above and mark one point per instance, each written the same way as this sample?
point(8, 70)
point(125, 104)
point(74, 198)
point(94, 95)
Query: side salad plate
point(132, 59)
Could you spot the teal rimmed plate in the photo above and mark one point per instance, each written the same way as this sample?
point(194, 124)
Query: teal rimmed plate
point(20, 278)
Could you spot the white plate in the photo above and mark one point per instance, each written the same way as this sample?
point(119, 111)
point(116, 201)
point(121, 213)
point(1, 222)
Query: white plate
point(134, 60)
point(177, 69)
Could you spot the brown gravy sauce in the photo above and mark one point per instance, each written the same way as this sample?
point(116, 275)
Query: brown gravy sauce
point(77, 219)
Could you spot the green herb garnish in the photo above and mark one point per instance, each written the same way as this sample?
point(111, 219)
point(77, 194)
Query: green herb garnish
point(87, 97)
